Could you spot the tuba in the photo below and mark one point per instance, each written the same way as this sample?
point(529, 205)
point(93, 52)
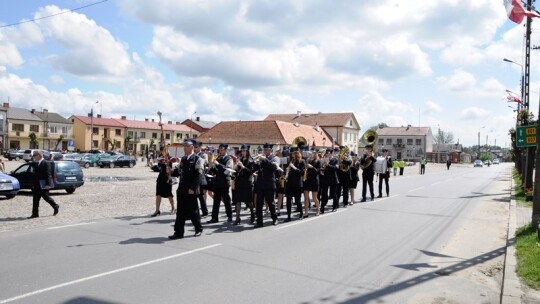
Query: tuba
point(344, 155)
point(299, 141)
point(369, 138)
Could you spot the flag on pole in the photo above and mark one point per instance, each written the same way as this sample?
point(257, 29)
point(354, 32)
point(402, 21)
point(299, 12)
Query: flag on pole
point(516, 12)
point(511, 98)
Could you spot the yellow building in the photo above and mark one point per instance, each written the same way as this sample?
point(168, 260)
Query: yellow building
point(107, 134)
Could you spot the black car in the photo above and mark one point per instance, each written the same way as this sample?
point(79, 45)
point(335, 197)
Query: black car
point(116, 161)
point(68, 175)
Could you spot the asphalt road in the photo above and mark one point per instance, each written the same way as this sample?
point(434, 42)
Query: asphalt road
point(376, 252)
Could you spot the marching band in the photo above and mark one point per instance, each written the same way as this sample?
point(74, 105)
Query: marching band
point(273, 174)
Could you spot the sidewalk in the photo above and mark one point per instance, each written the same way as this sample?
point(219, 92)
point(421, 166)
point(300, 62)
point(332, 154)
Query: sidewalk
point(513, 291)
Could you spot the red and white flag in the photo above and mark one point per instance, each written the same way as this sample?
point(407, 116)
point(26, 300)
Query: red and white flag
point(511, 98)
point(516, 12)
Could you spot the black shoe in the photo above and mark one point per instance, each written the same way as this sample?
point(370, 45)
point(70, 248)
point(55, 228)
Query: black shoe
point(301, 215)
point(380, 195)
point(229, 219)
point(236, 222)
point(204, 214)
point(198, 233)
point(32, 216)
point(274, 221)
point(156, 214)
point(387, 194)
point(252, 218)
point(212, 221)
point(175, 237)
point(56, 210)
point(287, 220)
point(363, 200)
point(258, 225)
point(334, 209)
point(372, 198)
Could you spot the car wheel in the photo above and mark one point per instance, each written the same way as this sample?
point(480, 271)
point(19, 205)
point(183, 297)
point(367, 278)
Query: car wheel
point(111, 165)
point(87, 165)
point(70, 190)
point(10, 196)
point(131, 165)
point(101, 166)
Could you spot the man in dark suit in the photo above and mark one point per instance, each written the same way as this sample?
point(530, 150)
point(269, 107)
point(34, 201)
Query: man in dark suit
point(266, 164)
point(42, 182)
point(189, 186)
point(222, 184)
point(367, 163)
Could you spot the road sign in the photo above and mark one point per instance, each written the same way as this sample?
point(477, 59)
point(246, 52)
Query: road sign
point(526, 136)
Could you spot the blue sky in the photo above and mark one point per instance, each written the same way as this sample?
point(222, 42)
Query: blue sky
point(427, 63)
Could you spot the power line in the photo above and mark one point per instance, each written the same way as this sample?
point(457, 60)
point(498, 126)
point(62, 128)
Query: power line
point(53, 15)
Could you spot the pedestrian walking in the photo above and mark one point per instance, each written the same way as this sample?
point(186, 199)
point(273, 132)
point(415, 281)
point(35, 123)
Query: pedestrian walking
point(42, 182)
point(401, 166)
point(448, 163)
point(423, 163)
point(164, 187)
point(385, 175)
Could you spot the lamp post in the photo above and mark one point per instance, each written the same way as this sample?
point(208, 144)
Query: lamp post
point(191, 123)
point(92, 124)
point(478, 153)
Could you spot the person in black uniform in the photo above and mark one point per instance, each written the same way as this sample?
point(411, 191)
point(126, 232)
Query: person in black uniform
point(42, 182)
point(294, 185)
point(190, 172)
point(243, 183)
point(367, 163)
point(344, 177)
point(204, 183)
point(323, 185)
point(355, 167)
point(385, 176)
point(266, 164)
point(222, 183)
point(330, 174)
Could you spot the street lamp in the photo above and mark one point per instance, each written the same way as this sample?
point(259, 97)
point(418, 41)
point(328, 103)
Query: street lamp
point(478, 153)
point(522, 82)
point(92, 124)
point(191, 123)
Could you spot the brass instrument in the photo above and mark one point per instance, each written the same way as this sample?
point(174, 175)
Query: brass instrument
point(369, 138)
point(299, 141)
point(344, 155)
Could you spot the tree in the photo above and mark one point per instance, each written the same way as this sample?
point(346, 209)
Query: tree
point(128, 139)
point(113, 143)
point(444, 137)
point(58, 141)
point(34, 143)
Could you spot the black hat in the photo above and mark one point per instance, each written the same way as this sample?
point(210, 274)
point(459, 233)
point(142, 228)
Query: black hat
point(197, 144)
point(369, 147)
point(268, 146)
point(333, 161)
point(293, 149)
point(384, 150)
point(189, 142)
point(336, 149)
point(245, 147)
point(223, 146)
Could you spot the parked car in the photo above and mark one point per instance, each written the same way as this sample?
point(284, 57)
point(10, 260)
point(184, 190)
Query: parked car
point(9, 185)
point(56, 155)
point(478, 163)
point(68, 175)
point(86, 160)
point(15, 155)
point(496, 161)
point(27, 156)
point(117, 161)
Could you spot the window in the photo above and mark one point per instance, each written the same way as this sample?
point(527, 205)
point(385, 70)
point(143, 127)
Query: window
point(34, 128)
point(399, 141)
point(14, 144)
point(94, 143)
point(381, 141)
point(118, 132)
point(154, 135)
point(418, 142)
point(350, 123)
point(167, 136)
point(52, 129)
point(388, 141)
point(118, 145)
point(17, 127)
point(409, 141)
point(179, 135)
point(95, 131)
point(143, 134)
point(194, 135)
point(65, 130)
point(130, 134)
point(409, 153)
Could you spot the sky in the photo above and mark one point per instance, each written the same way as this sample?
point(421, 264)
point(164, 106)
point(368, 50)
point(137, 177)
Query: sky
point(425, 63)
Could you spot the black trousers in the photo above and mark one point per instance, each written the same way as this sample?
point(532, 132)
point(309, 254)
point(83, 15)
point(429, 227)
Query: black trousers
point(401, 171)
point(221, 194)
point(323, 196)
point(37, 194)
point(187, 209)
point(268, 195)
point(423, 169)
point(367, 180)
point(295, 193)
point(343, 190)
point(333, 194)
point(384, 178)
point(202, 202)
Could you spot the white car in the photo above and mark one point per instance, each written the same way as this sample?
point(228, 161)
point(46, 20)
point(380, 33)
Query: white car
point(496, 161)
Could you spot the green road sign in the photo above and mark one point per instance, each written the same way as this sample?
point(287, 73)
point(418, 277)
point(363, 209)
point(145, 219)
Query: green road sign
point(526, 136)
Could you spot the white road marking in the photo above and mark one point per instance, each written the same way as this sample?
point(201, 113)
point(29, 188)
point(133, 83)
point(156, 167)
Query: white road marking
point(327, 213)
point(377, 200)
point(416, 189)
point(74, 225)
point(26, 295)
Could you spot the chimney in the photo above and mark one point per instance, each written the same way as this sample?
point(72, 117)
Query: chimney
point(90, 115)
point(6, 104)
point(45, 111)
point(317, 127)
point(152, 120)
point(146, 119)
point(99, 116)
point(298, 113)
point(178, 123)
point(123, 118)
point(169, 122)
point(198, 118)
point(33, 110)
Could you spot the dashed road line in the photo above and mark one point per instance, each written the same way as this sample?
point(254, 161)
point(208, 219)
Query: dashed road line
point(73, 225)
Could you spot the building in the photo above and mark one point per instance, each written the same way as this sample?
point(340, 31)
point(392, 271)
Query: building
point(409, 143)
point(343, 128)
point(57, 131)
point(25, 129)
point(257, 133)
point(4, 126)
point(443, 152)
point(129, 136)
point(198, 126)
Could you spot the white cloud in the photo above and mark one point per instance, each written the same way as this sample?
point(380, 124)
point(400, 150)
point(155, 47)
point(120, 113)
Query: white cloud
point(458, 81)
point(472, 113)
point(9, 54)
point(56, 79)
point(432, 107)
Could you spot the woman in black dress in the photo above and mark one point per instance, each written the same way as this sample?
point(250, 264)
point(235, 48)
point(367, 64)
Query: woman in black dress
point(311, 183)
point(243, 183)
point(164, 187)
point(355, 167)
